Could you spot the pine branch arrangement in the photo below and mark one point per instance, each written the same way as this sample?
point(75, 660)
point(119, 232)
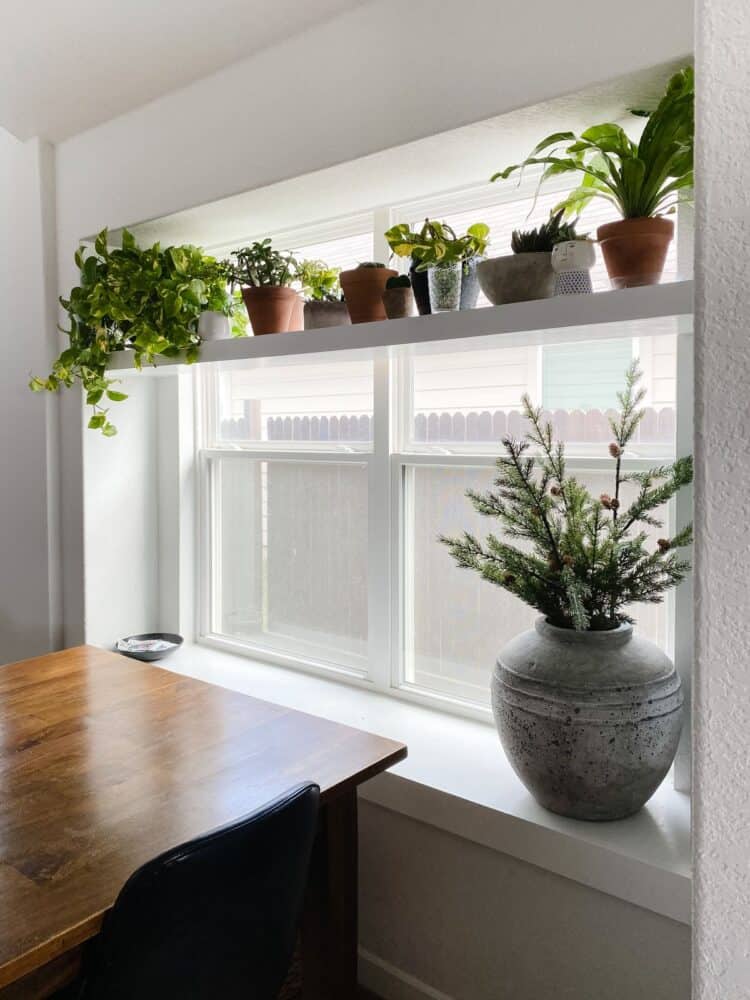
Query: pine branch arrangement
point(584, 559)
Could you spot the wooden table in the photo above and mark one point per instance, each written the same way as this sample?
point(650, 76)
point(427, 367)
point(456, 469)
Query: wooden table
point(106, 762)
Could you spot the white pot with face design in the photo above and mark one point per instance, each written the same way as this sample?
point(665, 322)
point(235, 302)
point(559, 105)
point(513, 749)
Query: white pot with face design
point(571, 261)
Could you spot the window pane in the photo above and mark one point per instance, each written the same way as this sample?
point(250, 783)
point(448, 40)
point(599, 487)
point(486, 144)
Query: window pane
point(474, 397)
point(345, 252)
point(576, 378)
point(456, 623)
point(292, 556)
point(305, 402)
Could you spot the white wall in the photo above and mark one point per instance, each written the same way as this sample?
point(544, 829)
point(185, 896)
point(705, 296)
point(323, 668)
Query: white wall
point(29, 596)
point(722, 504)
point(447, 919)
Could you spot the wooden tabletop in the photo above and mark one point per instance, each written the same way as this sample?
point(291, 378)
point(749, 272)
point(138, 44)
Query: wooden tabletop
point(106, 762)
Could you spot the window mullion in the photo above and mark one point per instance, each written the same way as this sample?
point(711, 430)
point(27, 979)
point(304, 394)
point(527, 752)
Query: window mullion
point(379, 530)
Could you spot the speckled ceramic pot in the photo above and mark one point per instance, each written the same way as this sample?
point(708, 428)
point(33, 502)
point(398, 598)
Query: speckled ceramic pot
point(590, 721)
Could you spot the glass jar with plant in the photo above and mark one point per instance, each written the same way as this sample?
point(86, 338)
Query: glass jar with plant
point(436, 246)
point(526, 273)
point(363, 288)
point(321, 289)
point(148, 301)
point(589, 714)
point(265, 276)
point(643, 180)
point(398, 298)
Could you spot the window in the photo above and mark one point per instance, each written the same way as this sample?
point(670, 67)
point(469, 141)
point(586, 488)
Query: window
point(326, 483)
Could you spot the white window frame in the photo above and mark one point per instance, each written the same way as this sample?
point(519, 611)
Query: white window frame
point(388, 459)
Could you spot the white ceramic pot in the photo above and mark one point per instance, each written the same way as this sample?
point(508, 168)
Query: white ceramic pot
point(214, 326)
point(572, 261)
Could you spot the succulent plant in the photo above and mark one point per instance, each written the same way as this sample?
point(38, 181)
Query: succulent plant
point(370, 263)
point(543, 239)
point(400, 281)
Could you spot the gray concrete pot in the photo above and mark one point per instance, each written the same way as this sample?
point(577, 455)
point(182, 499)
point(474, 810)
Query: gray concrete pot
point(319, 315)
point(590, 721)
point(519, 277)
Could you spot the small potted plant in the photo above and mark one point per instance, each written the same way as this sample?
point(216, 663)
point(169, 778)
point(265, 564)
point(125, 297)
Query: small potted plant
point(643, 180)
point(572, 261)
point(223, 313)
point(324, 305)
point(363, 288)
point(527, 272)
point(265, 277)
point(448, 261)
point(588, 712)
point(149, 301)
point(398, 298)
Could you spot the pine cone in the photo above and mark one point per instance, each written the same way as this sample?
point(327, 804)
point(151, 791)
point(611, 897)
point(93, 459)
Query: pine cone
point(615, 450)
point(664, 544)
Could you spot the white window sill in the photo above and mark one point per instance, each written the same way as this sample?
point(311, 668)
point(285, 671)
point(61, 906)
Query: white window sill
point(457, 778)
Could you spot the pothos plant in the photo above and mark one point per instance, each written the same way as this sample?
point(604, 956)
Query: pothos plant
point(436, 244)
point(320, 283)
point(148, 300)
point(582, 559)
point(640, 179)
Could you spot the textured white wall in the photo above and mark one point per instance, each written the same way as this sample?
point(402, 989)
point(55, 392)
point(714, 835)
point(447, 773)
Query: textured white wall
point(722, 501)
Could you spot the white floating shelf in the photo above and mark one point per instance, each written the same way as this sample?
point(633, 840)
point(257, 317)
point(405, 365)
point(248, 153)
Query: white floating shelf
point(634, 312)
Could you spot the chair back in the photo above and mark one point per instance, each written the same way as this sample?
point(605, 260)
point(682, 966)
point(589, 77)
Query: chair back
point(214, 918)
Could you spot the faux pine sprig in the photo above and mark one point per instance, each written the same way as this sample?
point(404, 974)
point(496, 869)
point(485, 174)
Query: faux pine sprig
point(583, 559)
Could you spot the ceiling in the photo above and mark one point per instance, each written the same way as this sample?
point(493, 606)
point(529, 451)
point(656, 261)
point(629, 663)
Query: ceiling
point(66, 67)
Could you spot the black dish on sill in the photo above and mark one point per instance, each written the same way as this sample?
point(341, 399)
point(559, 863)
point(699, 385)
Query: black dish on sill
point(172, 640)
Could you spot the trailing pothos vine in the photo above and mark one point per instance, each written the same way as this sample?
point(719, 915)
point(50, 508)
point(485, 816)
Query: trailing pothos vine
point(148, 301)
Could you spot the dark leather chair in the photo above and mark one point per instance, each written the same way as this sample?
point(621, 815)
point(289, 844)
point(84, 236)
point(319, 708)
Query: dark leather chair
point(214, 918)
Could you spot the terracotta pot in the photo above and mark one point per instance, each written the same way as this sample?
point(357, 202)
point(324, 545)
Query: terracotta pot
point(634, 250)
point(297, 321)
point(363, 289)
point(319, 315)
point(272, 309)
point(399, 302)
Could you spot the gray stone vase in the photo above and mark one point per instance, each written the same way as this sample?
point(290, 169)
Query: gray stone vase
point(519, 277)
point(590, 721)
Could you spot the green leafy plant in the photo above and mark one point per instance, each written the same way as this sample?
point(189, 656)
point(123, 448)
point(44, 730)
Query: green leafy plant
point(640, 179)
point(259, 265)
point(148, 300)
point(436, 243)
point(400, 281)
point(584, 559)
point(543, 239)
point(320, 283)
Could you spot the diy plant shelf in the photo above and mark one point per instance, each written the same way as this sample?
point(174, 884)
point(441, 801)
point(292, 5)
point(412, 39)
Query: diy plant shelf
point(634, 312)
